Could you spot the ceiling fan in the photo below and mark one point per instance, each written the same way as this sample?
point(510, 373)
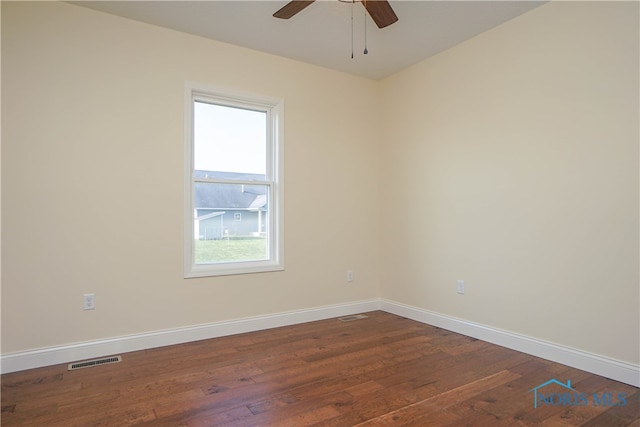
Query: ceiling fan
point(379, 10)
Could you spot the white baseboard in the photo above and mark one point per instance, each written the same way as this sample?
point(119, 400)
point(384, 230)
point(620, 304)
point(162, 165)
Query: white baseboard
point(600, 365)
point(92, 349)
point(627, 373)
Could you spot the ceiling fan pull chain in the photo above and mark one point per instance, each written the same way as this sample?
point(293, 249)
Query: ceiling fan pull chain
point(365, 29)
point(352, 3)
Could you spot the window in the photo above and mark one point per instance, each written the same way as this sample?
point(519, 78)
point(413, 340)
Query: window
point(233, 185)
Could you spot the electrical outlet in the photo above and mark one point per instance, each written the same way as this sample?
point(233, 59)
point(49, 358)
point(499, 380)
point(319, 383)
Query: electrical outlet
point(350, 276)
point(461, 286)
point(89, 301)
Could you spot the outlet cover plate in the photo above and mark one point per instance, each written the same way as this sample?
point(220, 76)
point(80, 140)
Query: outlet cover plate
point(89, 301)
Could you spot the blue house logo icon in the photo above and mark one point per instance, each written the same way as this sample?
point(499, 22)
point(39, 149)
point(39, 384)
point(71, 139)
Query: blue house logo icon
point(568, 396)
point(551, 381)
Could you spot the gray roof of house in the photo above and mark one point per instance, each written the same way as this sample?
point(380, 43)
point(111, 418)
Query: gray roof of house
point(229, 196)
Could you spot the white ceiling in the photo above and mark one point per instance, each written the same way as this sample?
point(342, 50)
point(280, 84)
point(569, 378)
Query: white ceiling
point(321, 33)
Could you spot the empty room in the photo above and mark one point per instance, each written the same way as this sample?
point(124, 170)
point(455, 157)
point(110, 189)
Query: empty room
point(320, 213)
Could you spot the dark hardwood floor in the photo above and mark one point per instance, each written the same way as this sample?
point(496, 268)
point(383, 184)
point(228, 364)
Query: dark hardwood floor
point(382, 370)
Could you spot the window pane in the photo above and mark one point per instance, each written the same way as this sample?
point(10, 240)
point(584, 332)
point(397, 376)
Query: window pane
point(228, 139)
point(230, 223)
point(233, 179)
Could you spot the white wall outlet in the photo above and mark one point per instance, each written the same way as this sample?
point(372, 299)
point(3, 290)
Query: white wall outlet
point(460, 286)
point(89, 301)
point(349, 276)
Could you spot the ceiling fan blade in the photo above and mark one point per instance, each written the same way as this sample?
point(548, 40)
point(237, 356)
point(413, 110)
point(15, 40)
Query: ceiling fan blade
point(291, 8)
point(381, 12)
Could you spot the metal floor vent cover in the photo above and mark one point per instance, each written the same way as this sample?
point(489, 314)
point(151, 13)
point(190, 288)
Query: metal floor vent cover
point(352, 318)
point(94, 362)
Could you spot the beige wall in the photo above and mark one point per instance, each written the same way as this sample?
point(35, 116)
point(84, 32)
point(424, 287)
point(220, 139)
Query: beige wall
point(511, 162)
point(92, 178)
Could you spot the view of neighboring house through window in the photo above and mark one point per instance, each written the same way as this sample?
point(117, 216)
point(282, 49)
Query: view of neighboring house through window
point(233, 216)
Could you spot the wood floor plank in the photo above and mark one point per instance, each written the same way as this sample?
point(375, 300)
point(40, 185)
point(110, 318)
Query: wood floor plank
point(610, 417)
point(381, 370)
point(414, 412)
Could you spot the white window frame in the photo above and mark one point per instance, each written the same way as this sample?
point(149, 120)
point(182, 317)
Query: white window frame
point(274, 107)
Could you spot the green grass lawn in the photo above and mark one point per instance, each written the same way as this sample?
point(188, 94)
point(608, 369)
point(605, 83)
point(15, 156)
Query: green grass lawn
point(245, 249)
